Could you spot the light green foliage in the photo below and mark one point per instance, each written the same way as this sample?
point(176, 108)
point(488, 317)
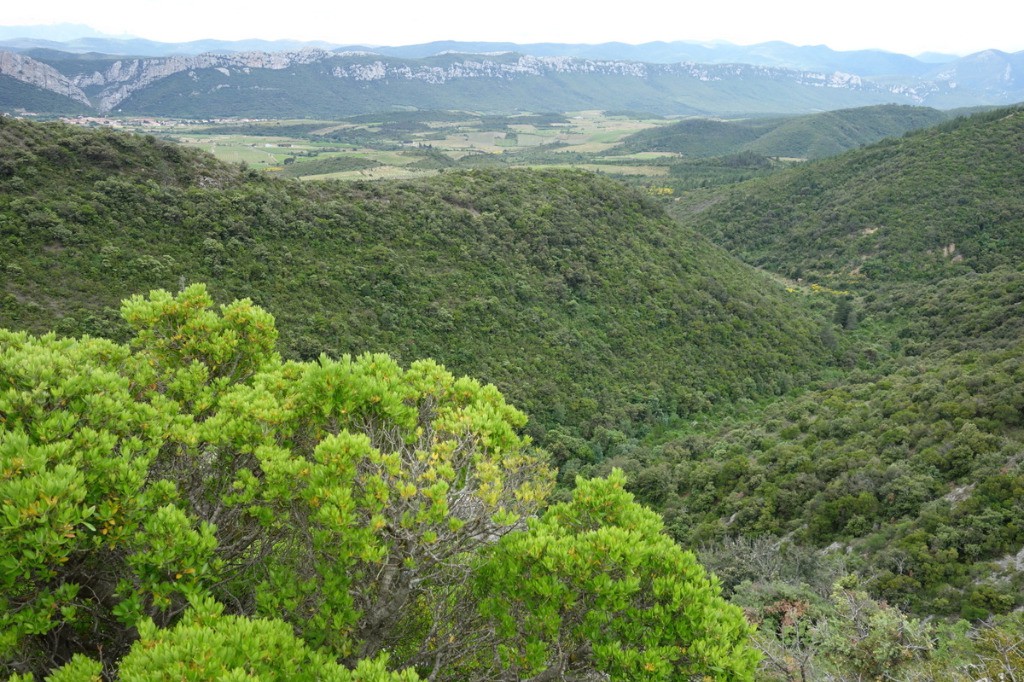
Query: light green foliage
point(170, 558)
point(192, 507)
point(392, 473)
point(595, 584)
point(193, 351)
point(206, 645)
point(79, 669)
point(339, 487)
point(74, 449)
point(42, 509)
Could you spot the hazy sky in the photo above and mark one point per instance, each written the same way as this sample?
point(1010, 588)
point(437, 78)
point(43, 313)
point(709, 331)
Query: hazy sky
point(896, 25)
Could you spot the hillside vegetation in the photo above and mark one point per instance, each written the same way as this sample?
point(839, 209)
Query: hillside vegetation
point(805, 137)
point(943, 201)
point(578, 298)
point(908, 467)
point(843, 447)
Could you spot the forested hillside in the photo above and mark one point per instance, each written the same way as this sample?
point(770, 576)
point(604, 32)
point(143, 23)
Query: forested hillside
point(943, 201)
point(578, 298)
point(838, 436)
point(906, 470)
point(812, 136)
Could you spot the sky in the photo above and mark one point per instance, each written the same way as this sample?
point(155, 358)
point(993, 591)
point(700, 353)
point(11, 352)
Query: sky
point(906, 26)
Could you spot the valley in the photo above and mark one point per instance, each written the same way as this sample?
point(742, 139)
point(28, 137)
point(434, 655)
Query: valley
point(790, 344)
point(664, 156)
point(414, 144)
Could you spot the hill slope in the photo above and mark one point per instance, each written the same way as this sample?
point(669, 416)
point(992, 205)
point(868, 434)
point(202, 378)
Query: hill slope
point(944, 201)
point(807, 137)
point(907, 469)
point(581, 300)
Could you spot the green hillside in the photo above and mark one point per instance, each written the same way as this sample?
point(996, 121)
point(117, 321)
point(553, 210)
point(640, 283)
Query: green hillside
point(908, 467)
point(805, 137)
point(840, 437)
point(18, 96)
point(699, 137)
point(833, 132)
point(944, 201)
point(581, 300)
point(911, 463)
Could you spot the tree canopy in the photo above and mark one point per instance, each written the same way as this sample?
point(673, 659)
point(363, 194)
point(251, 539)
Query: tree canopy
point(190, 506)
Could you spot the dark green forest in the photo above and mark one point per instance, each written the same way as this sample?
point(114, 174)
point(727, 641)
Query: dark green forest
point(837, 434)
point(941, 201)
point(811, 136)
point(580, 300)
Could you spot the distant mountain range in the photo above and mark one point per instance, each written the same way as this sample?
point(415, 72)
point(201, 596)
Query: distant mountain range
point(80, 39)
point(277, 79)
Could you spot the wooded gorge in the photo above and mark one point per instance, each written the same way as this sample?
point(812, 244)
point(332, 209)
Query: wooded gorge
point(836, 435)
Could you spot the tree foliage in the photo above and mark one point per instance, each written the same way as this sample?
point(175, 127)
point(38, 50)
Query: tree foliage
point(596, 584)
point(191, 506)
point(576, 296)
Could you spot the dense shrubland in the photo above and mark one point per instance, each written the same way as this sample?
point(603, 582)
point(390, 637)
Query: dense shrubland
point(190, 505)
point(580, 300)
point(905, 469)
point(845, 456)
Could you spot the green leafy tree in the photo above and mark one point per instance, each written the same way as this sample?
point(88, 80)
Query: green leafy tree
point(205, 645)
point(75, 448)
point(191, 506)
point(595, 585)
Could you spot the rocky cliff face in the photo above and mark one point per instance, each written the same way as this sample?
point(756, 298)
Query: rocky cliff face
point(106, 87)
point(41, 75)
point(125, 77)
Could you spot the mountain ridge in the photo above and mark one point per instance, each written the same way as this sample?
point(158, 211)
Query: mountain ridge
point(83, 39)
point(320, 81)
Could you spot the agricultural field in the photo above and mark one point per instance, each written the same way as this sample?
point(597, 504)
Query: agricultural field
point(413, 144)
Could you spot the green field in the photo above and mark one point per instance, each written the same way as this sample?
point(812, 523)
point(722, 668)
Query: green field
point(412, 144)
